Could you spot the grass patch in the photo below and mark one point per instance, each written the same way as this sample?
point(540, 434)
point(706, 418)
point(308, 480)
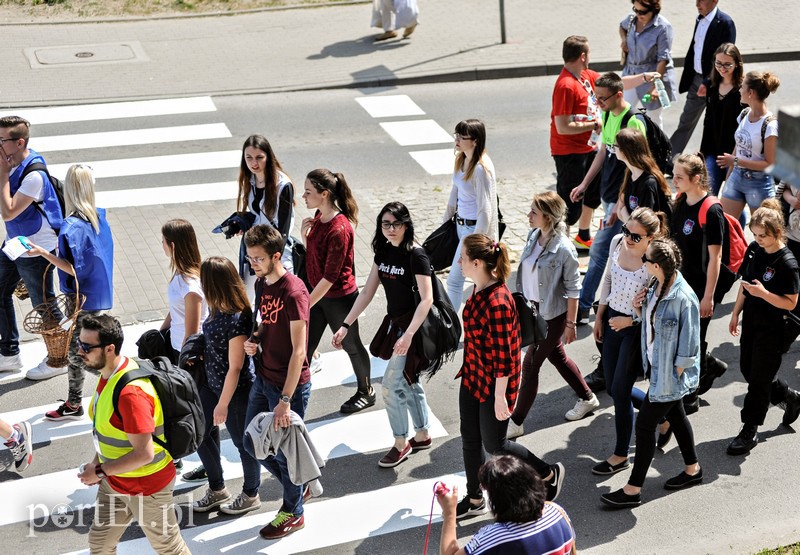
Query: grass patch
point(793, 549)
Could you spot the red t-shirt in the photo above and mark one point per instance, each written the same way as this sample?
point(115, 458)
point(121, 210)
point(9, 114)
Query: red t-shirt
point(281, 303)
point(138, 411)
point(330, 254)
point(571, 97)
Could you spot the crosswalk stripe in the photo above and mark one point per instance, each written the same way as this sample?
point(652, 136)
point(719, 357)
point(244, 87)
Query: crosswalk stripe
point(435, 162)
point(328, 522)
point(359, 433)
point(170, 194)
point(336, 371)
point(130, 137)
point(115, 110)
point(416, 132)
point(390, 106)
point(149, 165)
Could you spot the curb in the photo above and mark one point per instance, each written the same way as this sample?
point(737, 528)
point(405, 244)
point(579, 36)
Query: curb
point(477, 74)
point(159, 17)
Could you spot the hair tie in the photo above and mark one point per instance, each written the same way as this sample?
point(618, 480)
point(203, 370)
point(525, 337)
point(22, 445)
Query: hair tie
point(496, 246)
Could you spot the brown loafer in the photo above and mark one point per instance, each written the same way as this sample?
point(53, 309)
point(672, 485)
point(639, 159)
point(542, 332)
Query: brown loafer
point(385, 36)
point(408, 30)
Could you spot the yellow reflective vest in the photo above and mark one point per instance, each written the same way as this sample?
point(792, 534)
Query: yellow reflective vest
point(112, 443)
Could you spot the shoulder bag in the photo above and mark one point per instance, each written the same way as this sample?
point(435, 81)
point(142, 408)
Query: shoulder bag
point(532, 325)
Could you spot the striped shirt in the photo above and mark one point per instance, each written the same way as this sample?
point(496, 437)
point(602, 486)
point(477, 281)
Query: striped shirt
point(551, 535)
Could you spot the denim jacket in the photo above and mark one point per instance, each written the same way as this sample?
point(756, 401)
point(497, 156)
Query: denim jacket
point(676, 343)
point(559, 278)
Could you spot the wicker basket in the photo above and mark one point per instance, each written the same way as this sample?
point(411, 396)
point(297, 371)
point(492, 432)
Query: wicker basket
point(55, 320)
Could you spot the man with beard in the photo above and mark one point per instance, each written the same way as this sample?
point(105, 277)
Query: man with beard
point(136, 476)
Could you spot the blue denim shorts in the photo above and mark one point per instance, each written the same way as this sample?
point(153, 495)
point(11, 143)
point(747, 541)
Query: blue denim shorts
point(749, 186)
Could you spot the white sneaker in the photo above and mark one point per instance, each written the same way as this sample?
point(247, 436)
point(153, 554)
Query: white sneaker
point(582, 408)
point(10, 363)
point(514, 429)
point(44, 371)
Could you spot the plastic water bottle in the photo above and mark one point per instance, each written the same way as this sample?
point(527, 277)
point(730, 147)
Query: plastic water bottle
point(663, 97)
point(594, 138)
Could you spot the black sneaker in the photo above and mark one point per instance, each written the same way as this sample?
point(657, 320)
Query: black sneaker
point(358, 402)
point(65, 412)
point(555, 483)
point(621, 500)
point(583, 316)
point(197, 475)
point(465, 507)
point(791, 407)
point(745, 441)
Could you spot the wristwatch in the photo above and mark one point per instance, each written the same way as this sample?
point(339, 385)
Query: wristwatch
point(98, 471)
point(735, 161)
point(286, 399)
point(635, 319)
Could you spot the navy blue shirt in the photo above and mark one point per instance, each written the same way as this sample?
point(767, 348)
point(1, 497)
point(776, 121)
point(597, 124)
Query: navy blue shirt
point(219, 329)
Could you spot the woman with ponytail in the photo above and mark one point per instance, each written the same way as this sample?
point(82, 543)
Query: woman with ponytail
point(329, 240)
point(644, 184)
point(769, 289)
point(670, 345)
point(548, 276)
point(491, 370)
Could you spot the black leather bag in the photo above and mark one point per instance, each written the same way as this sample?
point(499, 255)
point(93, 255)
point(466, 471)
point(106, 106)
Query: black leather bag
point(532, 326)
point(440, 333)
point(441, 245)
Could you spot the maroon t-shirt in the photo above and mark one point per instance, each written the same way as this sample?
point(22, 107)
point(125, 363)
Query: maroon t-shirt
point(330, 255)
point(281, 303)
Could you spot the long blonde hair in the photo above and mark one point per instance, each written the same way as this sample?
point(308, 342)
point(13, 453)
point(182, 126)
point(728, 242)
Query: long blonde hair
point(79, 194)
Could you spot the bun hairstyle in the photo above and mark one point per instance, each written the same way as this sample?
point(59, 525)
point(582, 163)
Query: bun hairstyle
point(667, 255)
point(340, 194)
point(762, 83)
point(495, 255)
point(694, 165)
point(769, 216)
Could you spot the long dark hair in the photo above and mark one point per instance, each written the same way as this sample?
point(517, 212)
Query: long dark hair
point(185, 258)
point(475, 130)
point(633, 145)
point(401, 214)
point(667, 255)
point(222, 287)
point(729, 49)
point(340, 194)
point(271, 176)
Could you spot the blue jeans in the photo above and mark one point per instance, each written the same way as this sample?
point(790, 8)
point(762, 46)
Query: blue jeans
point(264, 397)
point(621, 362)
point(598, 256)
point(32, 272)
point(455, 279)
point(236, 422)
point(716, 175)
point(402, 399)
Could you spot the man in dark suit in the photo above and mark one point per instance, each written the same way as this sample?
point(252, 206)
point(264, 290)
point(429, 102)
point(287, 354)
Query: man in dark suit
point(713, 28)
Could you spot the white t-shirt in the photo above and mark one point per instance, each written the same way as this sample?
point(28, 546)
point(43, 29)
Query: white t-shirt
point(748, 137)
point(467, 196)
point(530, 279)
point(179, 287)
point(32, 186)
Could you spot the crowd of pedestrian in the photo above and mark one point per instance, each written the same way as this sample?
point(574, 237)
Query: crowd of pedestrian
point(659, 259)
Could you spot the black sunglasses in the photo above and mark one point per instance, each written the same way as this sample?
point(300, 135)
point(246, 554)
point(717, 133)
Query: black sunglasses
point(645, 259)
point(86, 348)
point(641, 12)
point(635, 237)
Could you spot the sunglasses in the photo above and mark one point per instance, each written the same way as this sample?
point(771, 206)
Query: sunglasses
point(86, 348)
point(635, 237)
point(645, 259)
point(641, 12)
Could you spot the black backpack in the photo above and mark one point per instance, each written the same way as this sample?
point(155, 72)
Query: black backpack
point(184, 422)
point(657, 140)
point(58, 187)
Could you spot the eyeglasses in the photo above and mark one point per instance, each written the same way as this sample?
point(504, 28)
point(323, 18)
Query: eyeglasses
point(720, 65)
point(645, 259)
point(256, 259)
point(86, 348)
point(7, 140)
point(460, 137)
point(641, 12)
point(392, 225)
point(615, 146)
point(604, 99)
point(635, 237)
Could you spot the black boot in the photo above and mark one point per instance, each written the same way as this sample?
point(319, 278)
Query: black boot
point(791, 407)
point(691, 404)
point(745, 441)
point(596, 380)
point(714, 369)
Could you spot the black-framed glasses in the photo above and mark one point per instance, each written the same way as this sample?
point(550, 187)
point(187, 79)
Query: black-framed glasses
point(645, 259)
point(641, 12)
point(460, 137)
point(635, 237)
point(726, 65)
point(615, 146)
point(86, 348)
point(604, 98)
point(2, 141)
point(391, 225)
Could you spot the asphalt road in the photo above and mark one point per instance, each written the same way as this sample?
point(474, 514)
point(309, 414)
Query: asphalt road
point(745, 503)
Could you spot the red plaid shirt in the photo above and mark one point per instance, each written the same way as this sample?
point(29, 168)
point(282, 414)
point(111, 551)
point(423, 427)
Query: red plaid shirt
point(491, 343)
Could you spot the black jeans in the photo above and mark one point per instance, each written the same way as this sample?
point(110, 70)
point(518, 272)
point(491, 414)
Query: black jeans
point(480, 430)
point(332, 312)
point(760, 360)
point(622, 361)
point(649, 416)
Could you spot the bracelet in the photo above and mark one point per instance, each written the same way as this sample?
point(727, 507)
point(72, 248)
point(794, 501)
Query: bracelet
point(345, 325)
point(644, 77)
point(570, 325)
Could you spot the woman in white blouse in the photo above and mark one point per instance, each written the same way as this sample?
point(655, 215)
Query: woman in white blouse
point(473, 198)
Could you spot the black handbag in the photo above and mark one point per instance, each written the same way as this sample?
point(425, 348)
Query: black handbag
point(441, 245)
point(440, 332)
point(532, 326)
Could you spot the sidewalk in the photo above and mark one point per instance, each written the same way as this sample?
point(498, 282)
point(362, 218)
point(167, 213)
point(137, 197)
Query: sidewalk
point(331, 46)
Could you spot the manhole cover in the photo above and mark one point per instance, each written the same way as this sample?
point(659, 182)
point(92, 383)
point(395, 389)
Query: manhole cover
point(81, 54)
